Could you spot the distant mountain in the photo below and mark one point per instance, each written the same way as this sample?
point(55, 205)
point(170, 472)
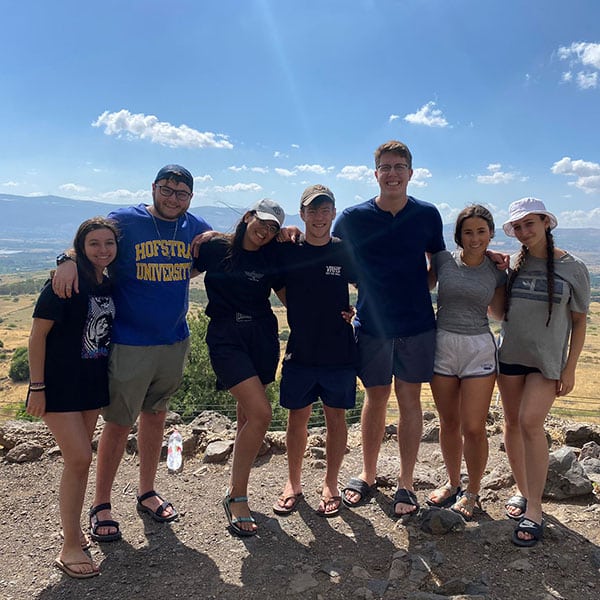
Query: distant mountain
point(33, 230)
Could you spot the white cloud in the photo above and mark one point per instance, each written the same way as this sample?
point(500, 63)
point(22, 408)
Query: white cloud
point(584, 55)
point(10, 184)
point(496, 176)
point(238, 187)
point(263, 170)
point(318, 169)
point(357, 173)
point(580, 218)
point(148, 127)
point(72, 187)
point(284, 172)
point(126, 196)
point(420, 176)
point(393, 118)
point(427, 115)
point(238, 169)
point(295, 146)
point(202, 178)
point(587, 173)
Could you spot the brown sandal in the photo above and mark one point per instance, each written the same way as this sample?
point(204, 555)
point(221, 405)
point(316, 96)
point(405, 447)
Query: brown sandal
point(447, 495)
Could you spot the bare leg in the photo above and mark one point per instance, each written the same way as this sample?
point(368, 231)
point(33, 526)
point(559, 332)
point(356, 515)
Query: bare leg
point(372, 423)
point(296, 437)
point(150, 438)
point(255, 410)
point(337, 434)
point(476, 395)
point(72, 433)
point(511, 391)
point(538, 396)
point(410, 429)
point(110, 451)
point(446, 393)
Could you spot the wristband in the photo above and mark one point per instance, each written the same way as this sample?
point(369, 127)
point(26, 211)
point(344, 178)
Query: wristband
point(41, 389)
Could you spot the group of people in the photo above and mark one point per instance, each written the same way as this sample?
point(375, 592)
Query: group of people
point(392, 248)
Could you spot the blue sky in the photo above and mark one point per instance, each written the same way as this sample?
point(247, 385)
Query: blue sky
point(258, 98)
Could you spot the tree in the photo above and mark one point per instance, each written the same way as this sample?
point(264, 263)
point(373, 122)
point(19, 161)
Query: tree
point(19, 365)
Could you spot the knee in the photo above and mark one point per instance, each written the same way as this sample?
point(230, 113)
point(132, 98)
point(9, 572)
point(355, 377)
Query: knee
point(474, 433)
point(260, 418)
point(79, 462)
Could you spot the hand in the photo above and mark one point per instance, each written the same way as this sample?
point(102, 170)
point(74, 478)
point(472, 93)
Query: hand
point(348, 315)
point(65, 280)
point(566, 383)
point(200, 239)
point(289, 234)
point(502, 260)
point(36, 404)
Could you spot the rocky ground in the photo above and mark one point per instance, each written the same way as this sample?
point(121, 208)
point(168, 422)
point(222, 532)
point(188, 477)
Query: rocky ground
point(362, 553)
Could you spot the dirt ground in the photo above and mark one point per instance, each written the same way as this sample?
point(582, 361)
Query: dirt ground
point(362, 553)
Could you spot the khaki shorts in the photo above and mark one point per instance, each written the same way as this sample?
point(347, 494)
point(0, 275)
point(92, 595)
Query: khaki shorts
point(143, 378)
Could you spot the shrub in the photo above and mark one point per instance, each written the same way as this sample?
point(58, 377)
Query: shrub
point(19, 365)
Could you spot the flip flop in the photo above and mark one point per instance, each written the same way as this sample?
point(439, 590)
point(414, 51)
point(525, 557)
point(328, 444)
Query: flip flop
point(65, 567)
point(404, 496)
point(358, 486)
point(233, 521)
point(519, 502)
point(95, 524)
point(336, 501)
point(281, 507)
point(536, 530)
point(156, 514)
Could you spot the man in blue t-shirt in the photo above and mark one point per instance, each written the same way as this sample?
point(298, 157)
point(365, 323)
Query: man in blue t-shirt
point(150, 338)
point(391, 236)
point(320, 358)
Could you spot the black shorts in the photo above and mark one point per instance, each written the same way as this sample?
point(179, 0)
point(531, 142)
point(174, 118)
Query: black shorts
point(241, 349)
point(301, 386)
point(506, 369)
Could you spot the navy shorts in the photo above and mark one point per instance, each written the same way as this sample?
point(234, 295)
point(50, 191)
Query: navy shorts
point(506, 369)
point(243, 349)
point(407, 358)
point(301, 386)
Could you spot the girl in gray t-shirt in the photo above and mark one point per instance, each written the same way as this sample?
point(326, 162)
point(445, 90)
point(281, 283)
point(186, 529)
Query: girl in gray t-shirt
point(548, 295)
point(469, 284)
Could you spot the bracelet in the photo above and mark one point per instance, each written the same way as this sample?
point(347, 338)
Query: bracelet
point(39, 389)
point(37, 383)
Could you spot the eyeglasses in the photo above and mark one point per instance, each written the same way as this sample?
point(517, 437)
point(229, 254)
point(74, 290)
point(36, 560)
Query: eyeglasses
point(268, 225)
point(167, 192)
point(398, 167)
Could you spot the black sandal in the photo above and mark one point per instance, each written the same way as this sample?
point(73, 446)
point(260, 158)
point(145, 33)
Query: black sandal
point(157, 514)
point(95, 524)
point(358, 486)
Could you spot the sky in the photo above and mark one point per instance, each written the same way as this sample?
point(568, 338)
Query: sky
point(497, 100)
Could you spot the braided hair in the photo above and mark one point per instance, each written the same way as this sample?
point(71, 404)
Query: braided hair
point(523, 254)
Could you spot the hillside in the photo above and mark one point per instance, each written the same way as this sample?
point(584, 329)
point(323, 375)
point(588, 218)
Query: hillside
point(33, 230)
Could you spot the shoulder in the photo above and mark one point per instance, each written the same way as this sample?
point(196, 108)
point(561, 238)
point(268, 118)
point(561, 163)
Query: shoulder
point(359, 209)
point(128, 213)
point(426, 208)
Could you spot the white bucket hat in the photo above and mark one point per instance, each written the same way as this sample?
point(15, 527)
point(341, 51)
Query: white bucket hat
point(523, 207)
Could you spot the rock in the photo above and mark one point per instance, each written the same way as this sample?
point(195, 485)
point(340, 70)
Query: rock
point(265, 448)
point(578, 434)
point(25, 452)
point(431, 432)
point(301, 583)
point(13, 433)
point(438, 521)
point(218, 452)
point(361, 573)
point(277, 440)
point(419, 569)
point(498, 479)
point(210, 421)
point(316, 452)
point(589, 450)
point(172, 419)
point(566, 477)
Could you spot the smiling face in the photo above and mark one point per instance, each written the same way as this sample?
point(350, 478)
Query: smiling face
point(393, 173)
point(531, 231)
point(318, 217)
point(475, 236)
point(259, 232)
point(100, 247)
point(166, 203)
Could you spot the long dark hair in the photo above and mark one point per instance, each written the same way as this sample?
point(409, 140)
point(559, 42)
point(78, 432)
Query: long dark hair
point(83, 262)
point(474, 210)
point(523, 254)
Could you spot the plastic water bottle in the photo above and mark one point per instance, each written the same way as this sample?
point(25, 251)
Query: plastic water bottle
point(175, 452)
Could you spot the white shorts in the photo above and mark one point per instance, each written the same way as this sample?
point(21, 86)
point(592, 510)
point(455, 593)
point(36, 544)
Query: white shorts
point(464, 356)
